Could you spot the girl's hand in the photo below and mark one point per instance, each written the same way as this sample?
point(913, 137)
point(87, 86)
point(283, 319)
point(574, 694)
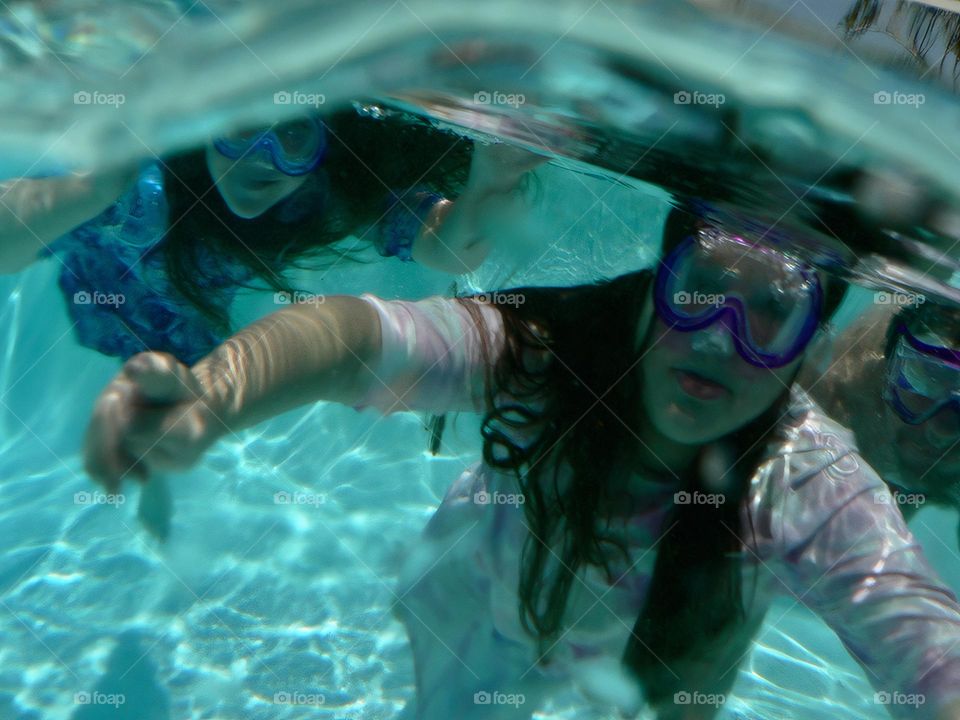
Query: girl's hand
point(150, 417)
point(498, 167)
point(457, 236)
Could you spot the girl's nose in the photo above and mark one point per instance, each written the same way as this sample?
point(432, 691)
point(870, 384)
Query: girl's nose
point(713, 340)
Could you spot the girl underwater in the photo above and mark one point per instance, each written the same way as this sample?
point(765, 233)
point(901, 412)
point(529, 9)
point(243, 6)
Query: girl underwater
point(170, 253)
point(653, 412)
point(896, 384)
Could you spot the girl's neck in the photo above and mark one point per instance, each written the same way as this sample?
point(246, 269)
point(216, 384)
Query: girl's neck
point(660, 458)
point(655, 465)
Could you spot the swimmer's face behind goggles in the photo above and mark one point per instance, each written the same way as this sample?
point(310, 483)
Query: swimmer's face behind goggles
point(923, 378)
point(295, 148)
point(769, 302)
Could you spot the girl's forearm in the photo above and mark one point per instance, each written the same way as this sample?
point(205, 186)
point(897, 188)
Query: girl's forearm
point(35, 212)
point(325, 350)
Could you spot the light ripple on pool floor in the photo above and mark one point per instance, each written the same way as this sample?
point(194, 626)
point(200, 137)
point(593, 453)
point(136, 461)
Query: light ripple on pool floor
point(217, 604)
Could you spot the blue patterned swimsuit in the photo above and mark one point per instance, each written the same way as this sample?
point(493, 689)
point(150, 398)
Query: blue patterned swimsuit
point(116, 286)
point(115, 282)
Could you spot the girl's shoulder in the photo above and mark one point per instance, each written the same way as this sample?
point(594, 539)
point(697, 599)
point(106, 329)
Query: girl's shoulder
point(807, 427)
point(809, 444)
point(811, 472)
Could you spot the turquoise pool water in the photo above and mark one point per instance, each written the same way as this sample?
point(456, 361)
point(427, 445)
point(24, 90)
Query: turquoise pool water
point(249, 598)
point(252, 601)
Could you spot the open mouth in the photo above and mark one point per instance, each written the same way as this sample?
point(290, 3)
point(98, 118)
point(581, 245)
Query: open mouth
point(699, 386)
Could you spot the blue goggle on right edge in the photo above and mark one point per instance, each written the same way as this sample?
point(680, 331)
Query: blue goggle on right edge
point(769, 302)
point(922, 378)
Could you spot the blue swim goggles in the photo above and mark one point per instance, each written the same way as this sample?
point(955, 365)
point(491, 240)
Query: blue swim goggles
point(769, 302)
point(295, 148)
point(922, 379)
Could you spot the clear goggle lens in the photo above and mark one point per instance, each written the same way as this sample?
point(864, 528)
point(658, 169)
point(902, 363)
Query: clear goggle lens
point(775, 299)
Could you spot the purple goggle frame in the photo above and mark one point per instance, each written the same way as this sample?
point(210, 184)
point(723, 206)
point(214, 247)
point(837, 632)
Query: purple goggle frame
point(897, 384)
point(269, 141)
point(733, 313)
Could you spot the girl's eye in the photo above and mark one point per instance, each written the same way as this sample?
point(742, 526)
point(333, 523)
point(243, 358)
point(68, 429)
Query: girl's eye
point(910, 388)
point(297, 136)
point(906, 383)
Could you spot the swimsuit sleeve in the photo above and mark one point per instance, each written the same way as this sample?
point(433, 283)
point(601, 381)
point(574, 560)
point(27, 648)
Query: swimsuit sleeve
point(432, 356)
point(848, 555)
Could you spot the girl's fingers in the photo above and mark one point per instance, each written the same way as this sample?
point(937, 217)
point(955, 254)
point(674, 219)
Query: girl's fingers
point(160, 457)
point(160, 378)
point(146, 419)
point(136, 406)
point(166, 438)
point(105, 460)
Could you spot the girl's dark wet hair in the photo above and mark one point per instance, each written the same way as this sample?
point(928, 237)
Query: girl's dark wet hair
point(582, 410)
point(366, 158)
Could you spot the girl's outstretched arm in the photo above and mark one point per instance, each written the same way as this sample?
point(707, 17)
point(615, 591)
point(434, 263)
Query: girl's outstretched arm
point(846, 553)
point(159, 414)
point(35, 212)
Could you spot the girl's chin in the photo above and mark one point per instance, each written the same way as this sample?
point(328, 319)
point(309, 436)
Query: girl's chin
point(691, 410)
point(243, 208)
point(685, 427)
point(249, 203)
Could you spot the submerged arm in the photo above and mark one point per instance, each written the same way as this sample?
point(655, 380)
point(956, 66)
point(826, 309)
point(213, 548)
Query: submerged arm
point(35, 212)
point(299, 355)
point(159, 414)
point(849, 556)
